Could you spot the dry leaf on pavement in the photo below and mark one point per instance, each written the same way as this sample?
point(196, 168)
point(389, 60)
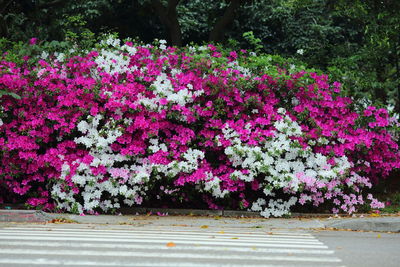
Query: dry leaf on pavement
point(171, 244)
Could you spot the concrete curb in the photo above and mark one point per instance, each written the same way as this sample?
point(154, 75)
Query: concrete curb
point(197, 212)
point(155, 211)
point(305, 221)
point(223, 213)
point(382, 224)
point(24, 216)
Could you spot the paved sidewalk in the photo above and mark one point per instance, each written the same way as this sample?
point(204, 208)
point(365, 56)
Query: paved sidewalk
point(364, 223)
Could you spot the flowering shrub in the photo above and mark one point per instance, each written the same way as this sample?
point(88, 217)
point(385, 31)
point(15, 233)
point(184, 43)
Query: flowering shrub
point(109, 127)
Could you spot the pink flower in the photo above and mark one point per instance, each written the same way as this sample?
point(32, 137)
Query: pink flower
point(38, 131)
point(163, 101)
point(32, 41)
point(119, 173)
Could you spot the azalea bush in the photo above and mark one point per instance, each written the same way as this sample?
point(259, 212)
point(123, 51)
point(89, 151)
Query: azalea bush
point(125, 123)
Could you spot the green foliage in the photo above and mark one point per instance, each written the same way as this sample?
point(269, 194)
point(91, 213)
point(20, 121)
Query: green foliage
point(77, 32)
point(356, 42)
point(4, 92)
point(256, 43)
point(20, 51)
point(46, 19)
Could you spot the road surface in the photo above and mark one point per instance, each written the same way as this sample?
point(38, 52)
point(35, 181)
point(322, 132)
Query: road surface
point(183, 245)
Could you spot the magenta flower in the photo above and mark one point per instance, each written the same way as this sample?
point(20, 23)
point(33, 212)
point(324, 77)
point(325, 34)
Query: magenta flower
point(103, 129)
point(33, 41)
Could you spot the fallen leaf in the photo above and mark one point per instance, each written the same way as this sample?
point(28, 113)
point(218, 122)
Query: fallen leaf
point(62, 220)
point(374, 215)
point(171, 244)
point(379, 236)
point(235, 238)
point(221, 232)
point(204, 226)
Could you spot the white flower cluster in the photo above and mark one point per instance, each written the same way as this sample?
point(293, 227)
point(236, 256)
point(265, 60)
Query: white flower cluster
point(163, 89)
point(116, 59)
point(106, 189)
point(155, 146)
point(278, 207)
point(94, 138)
point(283, 162)
point(126, 182)
point(212, 185)
point(162, 45)
point(244, 71)
point(188, 164)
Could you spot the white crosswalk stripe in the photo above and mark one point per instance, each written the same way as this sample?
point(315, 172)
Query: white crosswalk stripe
point(50, 245)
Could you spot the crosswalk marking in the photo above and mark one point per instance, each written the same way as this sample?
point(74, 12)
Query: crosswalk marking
point(192, 241)
point(267, 239)
point(158, 254)
point(55, 262)
point(163, 247)
point(157, 230)
point(65, 245)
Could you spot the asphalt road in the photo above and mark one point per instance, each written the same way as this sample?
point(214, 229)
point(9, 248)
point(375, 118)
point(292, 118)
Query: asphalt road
point(183, 245)
point(363, 248)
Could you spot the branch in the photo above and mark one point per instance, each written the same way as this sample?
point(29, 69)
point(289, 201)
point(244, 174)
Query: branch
point(50, 4)
point(229, 15)
point(5, 6)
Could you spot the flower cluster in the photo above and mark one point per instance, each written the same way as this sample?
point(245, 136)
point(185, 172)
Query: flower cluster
point(126, 124)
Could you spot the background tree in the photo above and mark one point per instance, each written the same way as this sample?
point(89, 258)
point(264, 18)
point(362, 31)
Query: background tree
point(356, 42)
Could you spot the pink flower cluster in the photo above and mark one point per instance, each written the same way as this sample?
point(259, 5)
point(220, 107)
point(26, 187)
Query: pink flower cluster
point(125, 119)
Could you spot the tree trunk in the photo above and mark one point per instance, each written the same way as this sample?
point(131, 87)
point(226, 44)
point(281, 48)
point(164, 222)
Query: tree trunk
point(3, 27)
point(397, 59)
point(4, 4)
point(169, 18)
point(217, 33)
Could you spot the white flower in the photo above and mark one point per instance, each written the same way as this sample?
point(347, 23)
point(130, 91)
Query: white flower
point(60, 57)
point(44, 55)
point(281, 110)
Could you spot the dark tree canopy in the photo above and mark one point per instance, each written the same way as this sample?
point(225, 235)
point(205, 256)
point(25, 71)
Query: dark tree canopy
point(357, 42)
